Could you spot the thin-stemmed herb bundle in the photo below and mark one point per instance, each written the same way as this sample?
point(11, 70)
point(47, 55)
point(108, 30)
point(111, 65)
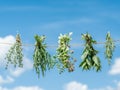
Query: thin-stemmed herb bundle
point(14, 55)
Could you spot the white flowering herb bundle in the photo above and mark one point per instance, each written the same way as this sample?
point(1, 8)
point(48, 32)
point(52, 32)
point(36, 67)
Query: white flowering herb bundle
point(64, 54)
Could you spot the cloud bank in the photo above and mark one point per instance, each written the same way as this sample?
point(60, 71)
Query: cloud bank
point(23, 88)
point(75, 86)
point(115, 70)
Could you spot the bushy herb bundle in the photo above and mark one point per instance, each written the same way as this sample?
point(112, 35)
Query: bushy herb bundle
point(89, 55)
point(14, 55)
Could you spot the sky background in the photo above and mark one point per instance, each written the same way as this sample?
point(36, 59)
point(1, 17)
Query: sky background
point(50, 18)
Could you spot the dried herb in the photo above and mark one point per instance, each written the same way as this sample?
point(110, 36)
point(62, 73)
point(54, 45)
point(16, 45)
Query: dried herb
point(109, 46)
point(64, 54)
point(42, 59)
point(14, 55)
point(89, 55)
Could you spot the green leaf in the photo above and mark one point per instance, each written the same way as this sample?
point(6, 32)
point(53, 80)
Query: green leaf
point(85, 54)
point(88, 62)
point(96, 60)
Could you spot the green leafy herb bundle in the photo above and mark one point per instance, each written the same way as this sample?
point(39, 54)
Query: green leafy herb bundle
point(42, 59)
point(14, 55)
point(109, 46)
point(64, 54)
point(89, 55)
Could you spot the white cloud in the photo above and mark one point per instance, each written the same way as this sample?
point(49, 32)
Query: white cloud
point(5, 81)
point(4, 47)
point(27, 65)
point(1, 88)
point(105, 88)
point(28, 88)
point(115, 68)
point(23, 88)
point(117, 87)
point(16, 72)
point(79, 86)
point(75, 86)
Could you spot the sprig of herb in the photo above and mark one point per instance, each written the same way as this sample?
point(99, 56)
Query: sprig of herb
point(14, 55)
point(109, 47)
point(89, 55)
point(64, 54)
point(42, 59)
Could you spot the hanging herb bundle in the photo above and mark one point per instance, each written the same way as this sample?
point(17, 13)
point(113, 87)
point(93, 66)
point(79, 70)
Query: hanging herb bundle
point(42, 59)
point(89, 54)
point(109, 46)
point(14, 55)
point(64, 54)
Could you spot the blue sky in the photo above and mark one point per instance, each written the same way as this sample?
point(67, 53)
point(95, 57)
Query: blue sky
point(50, 18)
